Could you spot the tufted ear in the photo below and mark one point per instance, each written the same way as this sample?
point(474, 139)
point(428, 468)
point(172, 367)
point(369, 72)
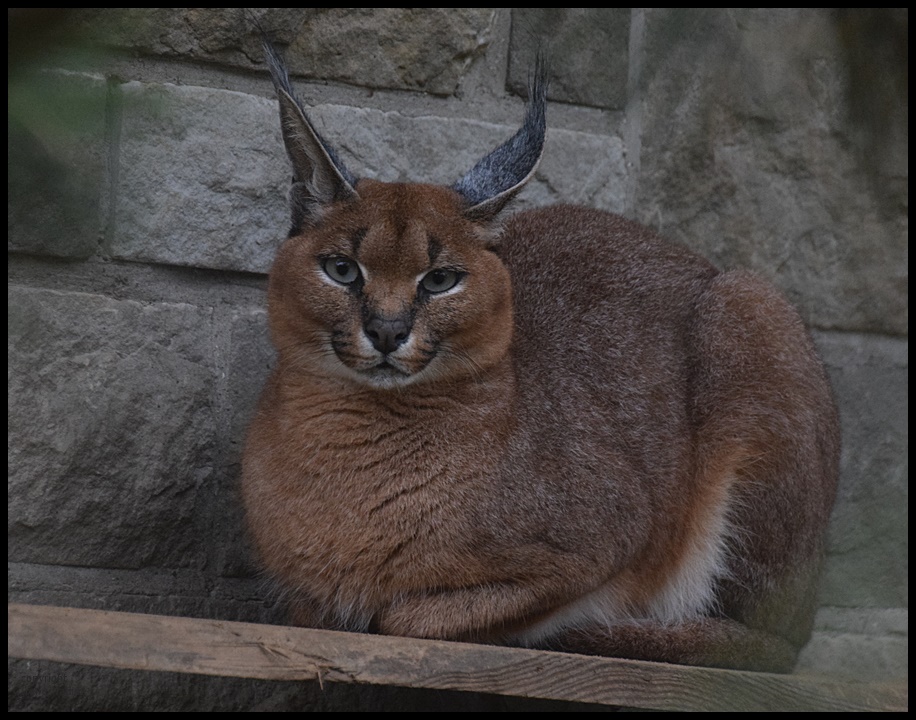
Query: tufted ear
point(498, 177)
point(319, 176)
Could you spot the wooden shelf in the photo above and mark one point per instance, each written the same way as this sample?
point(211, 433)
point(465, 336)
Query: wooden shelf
point(233, 649)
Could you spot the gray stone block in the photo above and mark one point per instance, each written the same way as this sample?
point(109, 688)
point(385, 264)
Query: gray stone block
point(890, 622)
point(864, 658)
point(749, 155)
point(202, 178)
point(56, 162)
point(402, 48)
point(405, 48)
point(867, 562)
point(394, 147)
point(869, 645)
point(587, 48)
point(251, 357)
point(110, 430)
point(579, 168)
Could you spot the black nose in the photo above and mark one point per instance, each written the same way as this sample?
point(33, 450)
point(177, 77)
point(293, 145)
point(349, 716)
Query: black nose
point(387, 334)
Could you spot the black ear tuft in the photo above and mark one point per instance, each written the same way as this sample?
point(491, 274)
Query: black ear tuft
point(320, 178)
point(496, 179)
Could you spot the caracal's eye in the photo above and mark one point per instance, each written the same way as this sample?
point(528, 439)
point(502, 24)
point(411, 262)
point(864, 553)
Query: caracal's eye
point(341, 269)
point(440, 280)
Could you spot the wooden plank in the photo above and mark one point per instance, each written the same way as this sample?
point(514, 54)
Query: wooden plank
point(215, 647)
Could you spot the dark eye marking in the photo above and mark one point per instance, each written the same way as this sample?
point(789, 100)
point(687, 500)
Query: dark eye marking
point(433, 248)
point(356, 239)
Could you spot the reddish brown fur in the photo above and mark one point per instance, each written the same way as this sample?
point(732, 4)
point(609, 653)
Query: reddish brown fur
point(582, 427)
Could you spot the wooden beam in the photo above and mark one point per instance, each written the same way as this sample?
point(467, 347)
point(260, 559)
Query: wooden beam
point(216, 647)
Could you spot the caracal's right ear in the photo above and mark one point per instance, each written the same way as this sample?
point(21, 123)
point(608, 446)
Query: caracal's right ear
point(499, 176)
point(319, 176)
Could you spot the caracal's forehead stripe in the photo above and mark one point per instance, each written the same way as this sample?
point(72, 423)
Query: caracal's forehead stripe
point(356, 240)
point(433, 248)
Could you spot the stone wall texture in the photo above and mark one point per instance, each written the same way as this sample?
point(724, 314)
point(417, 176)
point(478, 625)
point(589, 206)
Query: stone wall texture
point(146, 198)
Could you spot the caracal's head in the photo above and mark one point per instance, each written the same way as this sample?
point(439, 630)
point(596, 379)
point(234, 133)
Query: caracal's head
point(392, 284)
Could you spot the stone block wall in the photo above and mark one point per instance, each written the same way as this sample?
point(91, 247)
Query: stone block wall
point(146, 198)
